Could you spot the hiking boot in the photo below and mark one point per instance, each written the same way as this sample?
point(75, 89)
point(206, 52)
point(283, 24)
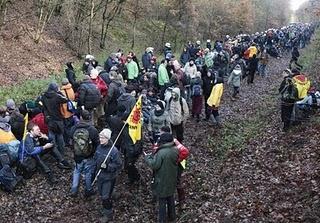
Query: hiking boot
point(73, 194)
point(88, 194)
point(218, 121)
point(64, 165)
point(105, 219)
point(50, 179)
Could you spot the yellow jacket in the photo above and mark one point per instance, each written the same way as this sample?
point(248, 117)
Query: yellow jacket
point(6, 137)
point(215, 96)
point(302, 84)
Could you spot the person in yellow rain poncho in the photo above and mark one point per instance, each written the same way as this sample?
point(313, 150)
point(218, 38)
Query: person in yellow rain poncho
point(215, 99)
point(252, 50)
point(302, 83)
point(6, 135)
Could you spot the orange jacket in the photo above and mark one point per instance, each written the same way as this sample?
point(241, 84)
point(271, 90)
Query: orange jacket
point(67, 91)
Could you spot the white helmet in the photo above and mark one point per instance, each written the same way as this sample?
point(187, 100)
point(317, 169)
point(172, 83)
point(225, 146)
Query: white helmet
point(208, 41)
point(198, 42)
point(167, 45)
point(89, 57)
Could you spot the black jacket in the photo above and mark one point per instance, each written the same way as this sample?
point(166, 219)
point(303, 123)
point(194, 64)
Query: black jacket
point(51, 101)
point(89, 95)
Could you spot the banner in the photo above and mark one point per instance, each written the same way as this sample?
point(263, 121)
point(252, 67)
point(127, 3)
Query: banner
point(134, 121)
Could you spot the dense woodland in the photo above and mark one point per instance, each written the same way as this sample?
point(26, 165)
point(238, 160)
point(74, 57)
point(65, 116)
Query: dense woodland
point(86, 25)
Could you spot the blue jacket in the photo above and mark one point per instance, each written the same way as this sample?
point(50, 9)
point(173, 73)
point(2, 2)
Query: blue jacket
point(31, 148)
point(146, 60)
point(114, 162)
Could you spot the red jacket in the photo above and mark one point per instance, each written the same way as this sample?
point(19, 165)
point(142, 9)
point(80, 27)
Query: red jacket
point(101, 85)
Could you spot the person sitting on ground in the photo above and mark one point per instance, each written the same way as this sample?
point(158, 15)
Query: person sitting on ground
point(34, 145)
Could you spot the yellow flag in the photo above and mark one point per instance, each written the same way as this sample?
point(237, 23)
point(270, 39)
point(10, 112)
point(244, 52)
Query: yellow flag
point(26, 117)
point(134, 121)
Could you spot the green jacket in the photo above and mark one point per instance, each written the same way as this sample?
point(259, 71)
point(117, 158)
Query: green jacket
point(133, 70)
point(163, 76)
point(164, 164)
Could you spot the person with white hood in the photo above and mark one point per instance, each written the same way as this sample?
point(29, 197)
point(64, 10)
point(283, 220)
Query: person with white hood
point(235, 80)
point(178, 112)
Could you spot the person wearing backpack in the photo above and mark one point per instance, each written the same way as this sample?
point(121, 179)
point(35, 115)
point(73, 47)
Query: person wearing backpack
point(196, 95)
point(85, 141)
point(52, 100)
point(157, 120)
point(289, 95)
point(89, 95)
point(178, 112)
point(67, 109)
point(116, 89)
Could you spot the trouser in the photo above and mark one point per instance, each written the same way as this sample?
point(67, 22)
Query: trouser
point(177, 131)
point(167, 209)
point(235, 91)
point(55, 152)
point(250, 77)
point(133, 173)
point(105, 188)
point(57, 140)
point(286, 112)
point(87, 167)
point(41, 164)
point(262, 69)
point(68, 123)
point(207, 107)
point(180, 188)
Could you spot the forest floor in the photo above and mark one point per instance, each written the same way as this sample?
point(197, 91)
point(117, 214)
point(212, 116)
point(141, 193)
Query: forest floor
point(247, 171)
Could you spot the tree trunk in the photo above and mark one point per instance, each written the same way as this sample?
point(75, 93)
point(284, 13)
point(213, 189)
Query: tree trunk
point(3, 11)
point(134, 31)
point(103, 26)
point(164, 32)
point(90, 26)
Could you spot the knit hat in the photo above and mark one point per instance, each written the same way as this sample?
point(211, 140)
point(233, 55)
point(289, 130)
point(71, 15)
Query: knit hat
point(161, 104)
point(86, 77)
point(165, 138)
point(85, 115)
point(53, 87)
point(11, 105)
point(65, 81)
point(106, 133)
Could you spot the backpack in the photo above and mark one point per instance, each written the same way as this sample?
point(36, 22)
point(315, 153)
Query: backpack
point(181, 104)
point(8, 179)
point(196, 90)
point(82, 142)
point(289, 92)
point(93, 96)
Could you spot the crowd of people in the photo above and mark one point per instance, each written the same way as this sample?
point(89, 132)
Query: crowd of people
point(90, 116)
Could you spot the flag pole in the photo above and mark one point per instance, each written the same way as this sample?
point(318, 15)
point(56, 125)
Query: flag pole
point(108, 154)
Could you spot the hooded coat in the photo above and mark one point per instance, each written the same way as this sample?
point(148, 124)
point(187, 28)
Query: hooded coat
point(235, 77)
point(176, 114)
